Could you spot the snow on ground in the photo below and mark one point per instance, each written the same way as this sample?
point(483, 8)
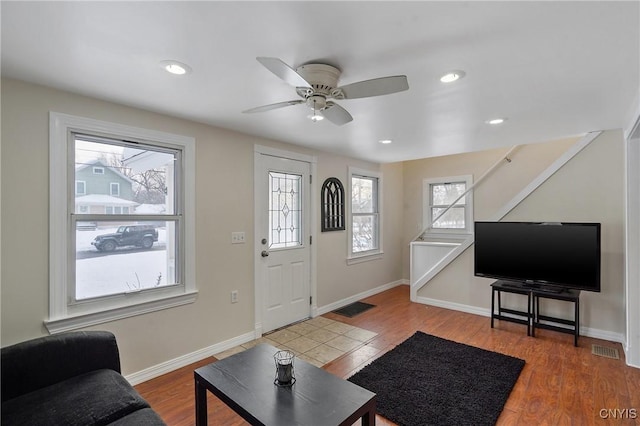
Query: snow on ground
point(151, 209)
point(120, 271)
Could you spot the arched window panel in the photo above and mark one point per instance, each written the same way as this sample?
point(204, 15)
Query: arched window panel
point(333, 218)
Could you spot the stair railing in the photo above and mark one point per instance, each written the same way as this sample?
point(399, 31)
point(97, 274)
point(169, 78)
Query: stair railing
point(505, 157)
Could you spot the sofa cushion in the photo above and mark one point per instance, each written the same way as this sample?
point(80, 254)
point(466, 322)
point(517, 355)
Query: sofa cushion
point(95, 398)
point(144, 417)
point(41, 362)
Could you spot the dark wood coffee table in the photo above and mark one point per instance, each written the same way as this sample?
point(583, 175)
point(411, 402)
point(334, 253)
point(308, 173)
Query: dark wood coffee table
point(244, 382)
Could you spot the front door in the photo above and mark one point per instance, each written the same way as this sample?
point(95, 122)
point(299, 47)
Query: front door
point(282, 232)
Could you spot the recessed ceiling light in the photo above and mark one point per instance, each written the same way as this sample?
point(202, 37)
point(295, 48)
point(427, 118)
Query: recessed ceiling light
point(496, 121)
point(385, 141)
point(175, 67)
point(452, 76)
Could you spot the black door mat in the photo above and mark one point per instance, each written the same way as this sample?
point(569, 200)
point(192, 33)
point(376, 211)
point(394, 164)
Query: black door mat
point(353, 309)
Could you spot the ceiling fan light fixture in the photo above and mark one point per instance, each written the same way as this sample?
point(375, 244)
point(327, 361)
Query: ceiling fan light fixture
point(496, 121)
point(175, 67)
point(452, 76)
point(317, 85)
point(317, 104)
point(316, 116)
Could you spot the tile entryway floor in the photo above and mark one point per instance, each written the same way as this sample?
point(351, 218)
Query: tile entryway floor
point(318, 341)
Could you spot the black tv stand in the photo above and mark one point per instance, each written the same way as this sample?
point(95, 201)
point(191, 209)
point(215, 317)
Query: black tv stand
point(548, 322)
point(554, 290)
point(515, 315)
point(532, 318)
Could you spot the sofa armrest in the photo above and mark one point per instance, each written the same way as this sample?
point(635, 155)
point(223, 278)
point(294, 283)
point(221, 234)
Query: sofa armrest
point(43, 361)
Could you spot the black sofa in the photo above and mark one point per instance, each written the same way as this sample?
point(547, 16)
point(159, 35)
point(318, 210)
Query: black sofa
point(69, 379)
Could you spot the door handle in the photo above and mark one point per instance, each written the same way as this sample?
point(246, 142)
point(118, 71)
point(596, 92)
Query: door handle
point(264, 253)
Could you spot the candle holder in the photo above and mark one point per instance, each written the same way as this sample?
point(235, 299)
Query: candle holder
point(284, 368)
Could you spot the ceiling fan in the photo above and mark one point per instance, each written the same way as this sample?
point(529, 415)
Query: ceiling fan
point(317, 85)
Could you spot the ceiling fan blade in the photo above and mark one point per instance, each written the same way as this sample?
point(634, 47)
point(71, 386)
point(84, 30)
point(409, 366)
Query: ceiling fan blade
point(274, 106)
point(284, 71)
point(336, 114)
point(375, 87)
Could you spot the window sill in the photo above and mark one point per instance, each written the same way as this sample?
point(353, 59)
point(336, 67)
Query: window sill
point(364, 258)
point(462, 235)
point(94, 318)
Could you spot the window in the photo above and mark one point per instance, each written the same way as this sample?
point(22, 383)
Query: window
point(98, 170)
point(116, 210)
point(447, 203)
point(115, 189)
point(365, 237)
point(101, 272)
point(285, 210)
point(81, 187)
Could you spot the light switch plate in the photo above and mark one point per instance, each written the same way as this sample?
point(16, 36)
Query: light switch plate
point(237, 238)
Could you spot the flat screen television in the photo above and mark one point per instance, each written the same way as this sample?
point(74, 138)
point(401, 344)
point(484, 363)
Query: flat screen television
point(553, 255)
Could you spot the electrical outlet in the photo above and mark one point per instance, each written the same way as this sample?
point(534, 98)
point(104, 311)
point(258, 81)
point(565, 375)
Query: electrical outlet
point(234, 296)
point(237, 238)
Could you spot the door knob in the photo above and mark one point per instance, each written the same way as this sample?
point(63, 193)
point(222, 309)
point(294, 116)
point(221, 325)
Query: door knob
point(264, 253)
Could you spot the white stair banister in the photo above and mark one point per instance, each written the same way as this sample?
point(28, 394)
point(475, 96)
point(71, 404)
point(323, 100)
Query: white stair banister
point(505, 157)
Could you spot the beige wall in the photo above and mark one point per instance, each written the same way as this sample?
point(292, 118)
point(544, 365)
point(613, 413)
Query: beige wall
point(223, 205)
point(589, 188)
point(344, 281)
point(497, 188)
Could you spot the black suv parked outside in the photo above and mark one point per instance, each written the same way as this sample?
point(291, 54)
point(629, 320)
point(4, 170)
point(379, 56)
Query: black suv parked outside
point(130, 235)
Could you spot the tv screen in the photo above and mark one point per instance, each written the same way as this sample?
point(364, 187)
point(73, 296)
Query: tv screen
point(539, 253)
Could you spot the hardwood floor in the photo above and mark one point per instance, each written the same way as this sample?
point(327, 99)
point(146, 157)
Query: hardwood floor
point(560, 384)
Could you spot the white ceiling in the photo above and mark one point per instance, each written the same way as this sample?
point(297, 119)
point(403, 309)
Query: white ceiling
point(555, 69)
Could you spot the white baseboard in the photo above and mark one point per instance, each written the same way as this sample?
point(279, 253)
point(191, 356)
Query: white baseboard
point(344, 302)
point(190, 358)
point(454, 306)
point(596, 333)
point(584, 331)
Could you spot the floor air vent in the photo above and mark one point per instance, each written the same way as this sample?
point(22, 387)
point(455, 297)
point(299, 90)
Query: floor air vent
point(605, 351)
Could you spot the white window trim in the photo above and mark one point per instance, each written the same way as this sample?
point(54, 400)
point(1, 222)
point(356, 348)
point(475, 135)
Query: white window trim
point(353, 258)
point(64, 317)
point(96, 168)
point(111, 189)
point(426, 207)
point(84, 186)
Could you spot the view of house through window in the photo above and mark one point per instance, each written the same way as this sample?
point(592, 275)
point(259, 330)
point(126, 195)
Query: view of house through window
point(124, 217)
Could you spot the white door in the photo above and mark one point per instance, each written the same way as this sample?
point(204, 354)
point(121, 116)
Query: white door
point(282, 235)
